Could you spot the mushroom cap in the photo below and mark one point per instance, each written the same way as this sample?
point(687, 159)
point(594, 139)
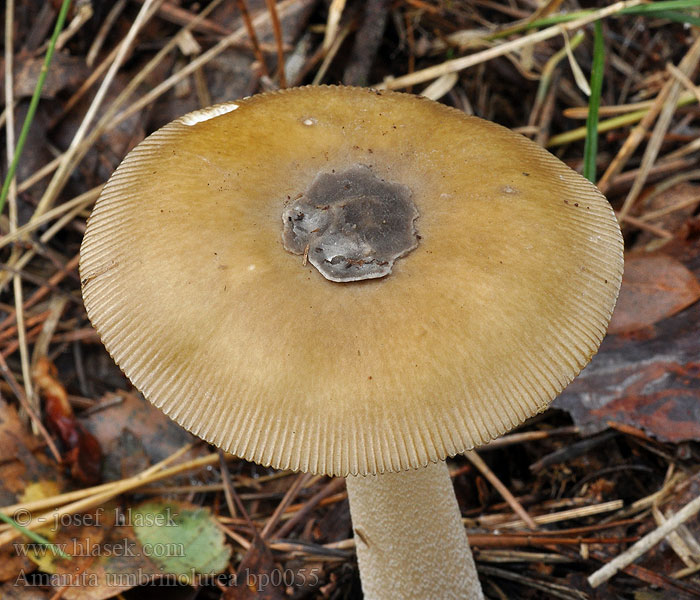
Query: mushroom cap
point(505, 299)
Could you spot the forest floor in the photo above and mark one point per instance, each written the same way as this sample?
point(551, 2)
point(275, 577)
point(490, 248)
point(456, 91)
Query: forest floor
point(614, 459)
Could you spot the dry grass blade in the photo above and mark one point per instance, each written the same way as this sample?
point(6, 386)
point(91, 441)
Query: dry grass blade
point(335, 12)
point(80, 203)
point(31, 404)
point(99, 40)
point(459, 64)
point(565, 515)
point(88, 498)
point(67, 163)
point(687, 65)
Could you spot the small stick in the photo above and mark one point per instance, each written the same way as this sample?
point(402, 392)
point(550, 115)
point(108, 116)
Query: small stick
point(12, 382)
point(42, 291)
point(479, 463)
point(276, 27)
point(528, 436)
point(638, 223)
point(227, 485)
point(110, 19)
point(292, 492)
point(245, 15)
point(330, 488)
point(646, 543)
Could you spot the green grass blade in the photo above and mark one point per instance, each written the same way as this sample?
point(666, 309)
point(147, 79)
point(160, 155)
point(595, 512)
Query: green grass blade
point(34, 536)
point(655, 7)
point(679, 17)
point(667, 9)
point(34, 103)
point(591, 148)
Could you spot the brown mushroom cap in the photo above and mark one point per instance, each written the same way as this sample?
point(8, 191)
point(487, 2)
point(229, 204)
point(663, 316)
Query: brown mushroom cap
point(504, 300)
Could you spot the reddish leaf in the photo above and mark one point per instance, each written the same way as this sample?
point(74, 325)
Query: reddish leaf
point(84, 454)
point(653, 287)
point(665, 412)
point(651, 382)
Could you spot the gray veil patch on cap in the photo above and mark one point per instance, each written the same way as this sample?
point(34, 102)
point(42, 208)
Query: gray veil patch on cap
point(352, 225)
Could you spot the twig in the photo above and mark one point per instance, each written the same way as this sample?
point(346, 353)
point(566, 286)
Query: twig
point(645, 544)
point(527, 436)
point(301, 480)
point(330, 488)
point(245, 15)
point(479, 463)
point(277, 29)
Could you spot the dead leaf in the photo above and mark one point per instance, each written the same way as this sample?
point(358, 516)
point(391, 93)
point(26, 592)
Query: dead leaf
point(25, 472)
point(84, 454)
point(66, 72)
point(652, 383)
point(668, 413)
point(120, 565)
point(258, 576)
point(149, 431)
point(654, 287)
point(14, 590)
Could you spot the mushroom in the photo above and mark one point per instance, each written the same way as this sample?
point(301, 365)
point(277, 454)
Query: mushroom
point(353, 283)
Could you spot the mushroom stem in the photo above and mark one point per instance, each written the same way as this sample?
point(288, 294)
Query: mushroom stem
point(409, 536)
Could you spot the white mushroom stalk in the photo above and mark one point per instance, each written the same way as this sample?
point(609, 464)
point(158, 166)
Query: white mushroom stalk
point(409, 536)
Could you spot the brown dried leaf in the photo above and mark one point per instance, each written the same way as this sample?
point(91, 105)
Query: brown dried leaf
point(84, 454)
point(157, 435)
point(650, 382)
point(23, 474)
point(66, 72)
point(653, 287)
point(256, 576)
